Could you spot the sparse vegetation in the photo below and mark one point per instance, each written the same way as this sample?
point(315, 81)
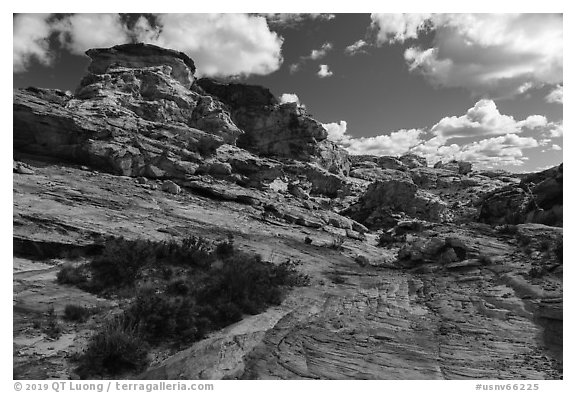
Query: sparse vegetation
point(52, 328)
point(307, 240)
point(77, 313)
point(182, 291)
point(70, 274)
point(115, 349)
point(362, 260)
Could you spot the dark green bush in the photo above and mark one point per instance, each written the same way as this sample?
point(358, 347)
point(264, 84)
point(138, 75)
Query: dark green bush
point(120, 262)
point(70, 274)
point(74, 312)
point(52, 328)
point(160, 316)
point(558, 249)
point(115, 349)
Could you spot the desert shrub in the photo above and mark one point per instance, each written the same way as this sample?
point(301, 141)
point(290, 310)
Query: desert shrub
point(52, 328)
point(160, 316)
point(244, 280)
point(120, 262)
point(70, 274)
point(558, 249)
point(287, 274)
point(307, 240)
point(193, 251)
point(74, 312)
point(362, 260)
point(178, 287)
point(115, 349)
point(385, 239)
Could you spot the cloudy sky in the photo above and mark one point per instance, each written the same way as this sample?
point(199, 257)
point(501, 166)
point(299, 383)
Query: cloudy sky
point(481, 87)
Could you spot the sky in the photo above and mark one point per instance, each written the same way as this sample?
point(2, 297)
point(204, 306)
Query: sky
point(486, 88)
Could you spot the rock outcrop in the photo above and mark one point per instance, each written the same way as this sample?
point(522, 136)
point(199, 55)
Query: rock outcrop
point(538, 198)
point(181, 67)
point(277, 130)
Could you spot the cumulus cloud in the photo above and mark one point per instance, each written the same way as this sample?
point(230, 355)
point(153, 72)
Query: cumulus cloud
point(556, 147)
point(30, 40)
point(293, 20)
point(322, 52)
point(497, 55)
point(289, 97)
point(393, 28)
point(504, 150)
point(556, 95)
point(337, 131)
point(220, 44)
point(397, 143)
point(80, 32)
point(324, 71)
point(495, 139)
point(484, 119)
point(356, 48)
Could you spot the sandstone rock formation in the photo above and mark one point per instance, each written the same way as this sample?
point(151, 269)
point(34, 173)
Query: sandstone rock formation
point(409, 275)
point(538, 198)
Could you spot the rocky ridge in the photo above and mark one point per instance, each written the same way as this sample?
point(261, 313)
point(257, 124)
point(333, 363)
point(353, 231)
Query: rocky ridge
point(423, 284)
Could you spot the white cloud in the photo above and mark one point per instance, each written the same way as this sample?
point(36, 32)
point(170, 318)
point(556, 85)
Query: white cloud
point(220, 44)
point(80, 32)
point(488, 153)
point(498, 55)
point(556, 130)
point(484, 119)
point(324, 71)
point(556, 95)
point(293, 20)
point(356, 48)
point(398, 27)
point(556, 147)
point(322, 52)
point(289, 97)
point(336, 131)
point(30, 40)
point(397, 143)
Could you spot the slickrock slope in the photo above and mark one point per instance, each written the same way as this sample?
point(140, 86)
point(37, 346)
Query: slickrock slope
point(409, 276)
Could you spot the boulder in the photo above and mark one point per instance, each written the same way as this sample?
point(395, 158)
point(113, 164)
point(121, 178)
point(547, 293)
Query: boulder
point(141, 55)
point(460, 167)
point(171, 187)
point(538, 199)
point(388, 162)
point(413, 161)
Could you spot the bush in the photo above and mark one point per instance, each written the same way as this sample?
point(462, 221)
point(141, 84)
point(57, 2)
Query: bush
point(73, 312)
point(52, 327)
point(115, 349)
point(192, 251)
point(160, 316)
point(558, 249)
point(120, 262)
point(70, 274)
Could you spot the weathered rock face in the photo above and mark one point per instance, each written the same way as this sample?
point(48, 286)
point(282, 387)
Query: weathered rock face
point(383, 199)
point(141, 56)
point(538, 198)
point(107, 136)
point(413, 161)
point(277, 130)
point(461, 167)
